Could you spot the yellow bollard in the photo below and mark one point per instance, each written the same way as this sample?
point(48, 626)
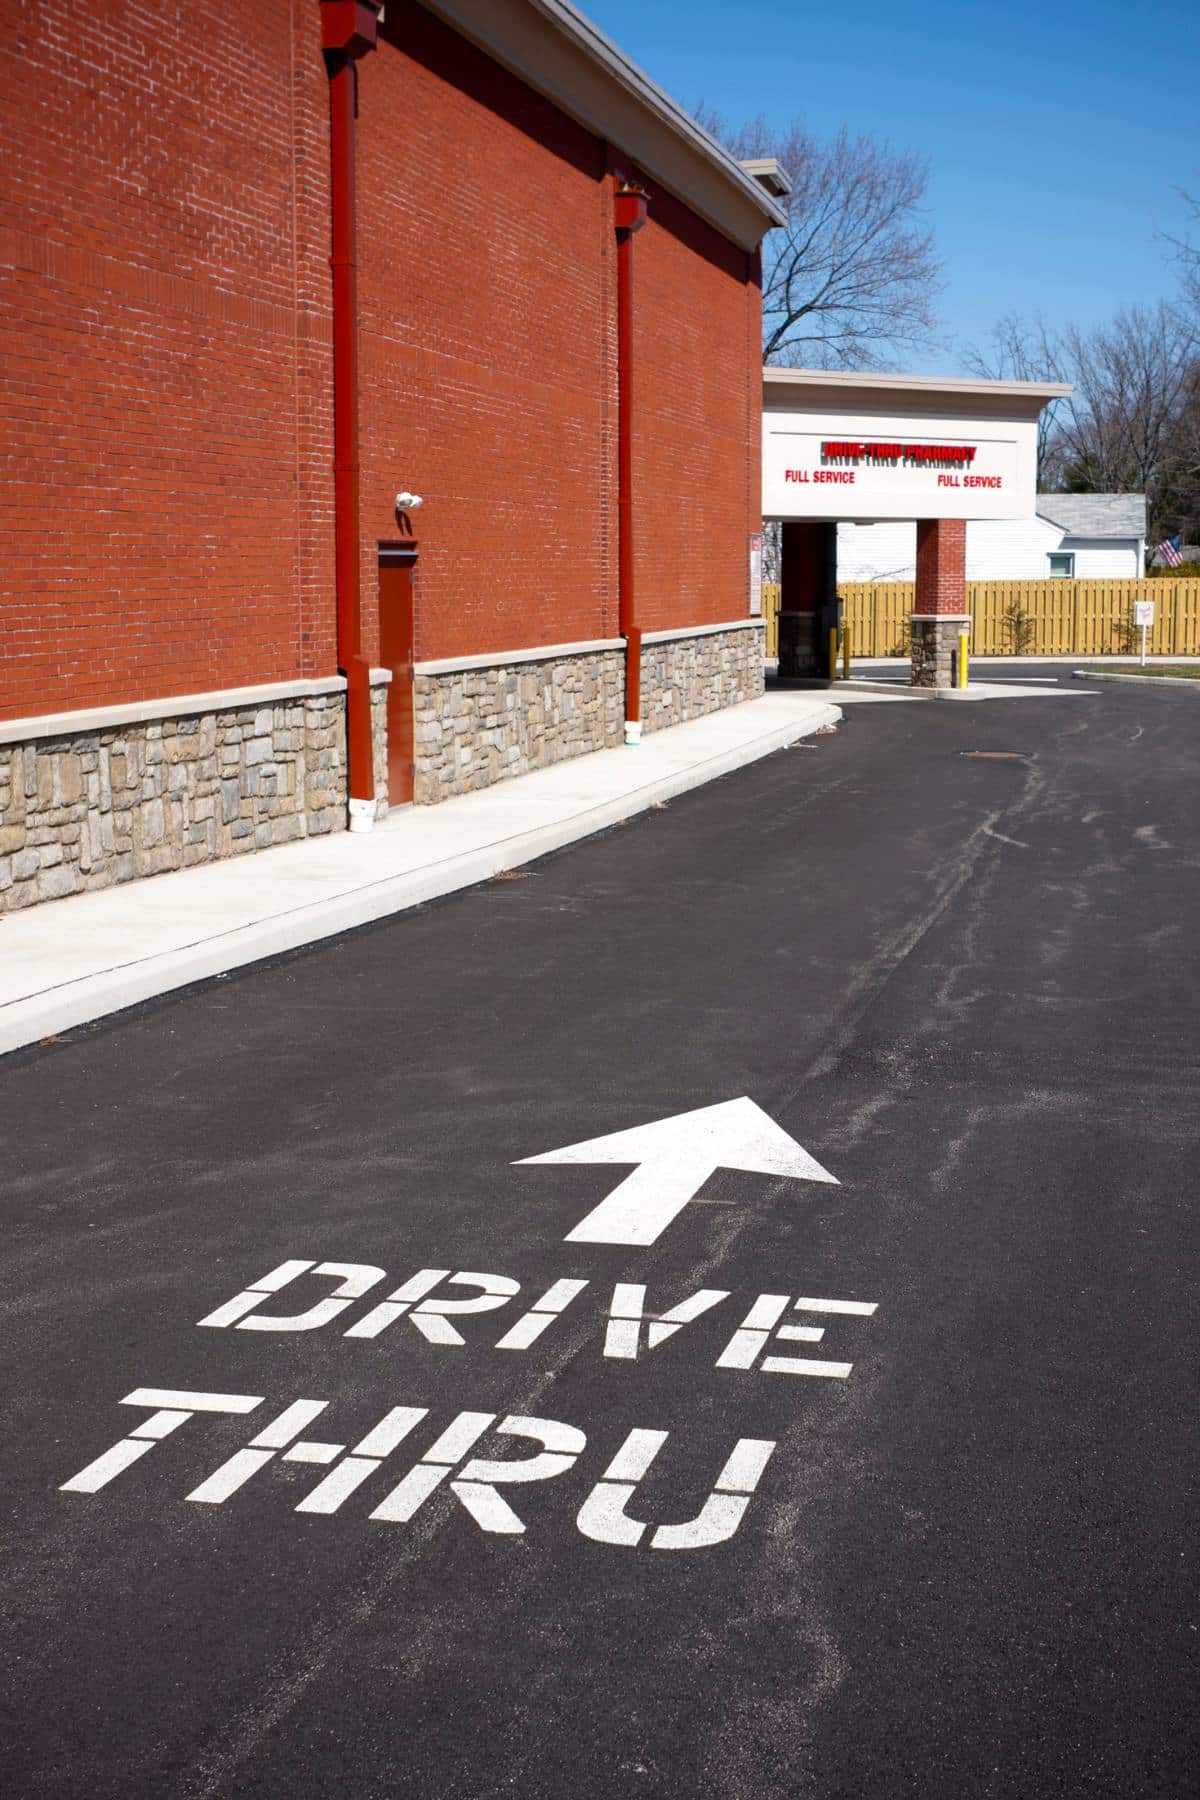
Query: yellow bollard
point(962, 659)
point(846, 652)
point(833, 641)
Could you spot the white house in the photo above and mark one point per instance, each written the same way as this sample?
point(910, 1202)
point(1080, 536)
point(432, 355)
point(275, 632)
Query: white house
point(1098, 536)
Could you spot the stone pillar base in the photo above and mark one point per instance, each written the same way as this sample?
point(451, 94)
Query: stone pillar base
point(934, 648)
point(797, 644)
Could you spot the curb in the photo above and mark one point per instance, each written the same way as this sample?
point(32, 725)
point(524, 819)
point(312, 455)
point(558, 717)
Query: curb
point(901, 690)
point(1154, 681)
point(54, 1010)
point(1016, 662)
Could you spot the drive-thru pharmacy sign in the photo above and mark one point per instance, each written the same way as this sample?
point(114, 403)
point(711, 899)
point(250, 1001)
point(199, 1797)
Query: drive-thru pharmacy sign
point(866, 447)
point(409, 1453)
point(922, 479)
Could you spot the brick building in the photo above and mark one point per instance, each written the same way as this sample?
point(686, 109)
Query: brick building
point(543, 324)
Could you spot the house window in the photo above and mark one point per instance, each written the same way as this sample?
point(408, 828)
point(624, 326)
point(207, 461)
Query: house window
point(1062, 562)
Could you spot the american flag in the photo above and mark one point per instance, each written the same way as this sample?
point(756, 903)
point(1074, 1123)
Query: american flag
point(1169, 550)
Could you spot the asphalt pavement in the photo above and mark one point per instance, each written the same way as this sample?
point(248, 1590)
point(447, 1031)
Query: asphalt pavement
point(858, 1427)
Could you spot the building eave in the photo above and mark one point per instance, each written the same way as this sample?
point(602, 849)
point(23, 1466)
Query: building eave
point(856, 390)
point(554, 49)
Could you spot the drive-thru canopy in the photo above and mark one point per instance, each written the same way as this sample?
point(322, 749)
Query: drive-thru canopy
point(864, 447)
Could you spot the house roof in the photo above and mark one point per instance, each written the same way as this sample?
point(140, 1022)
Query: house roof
point(1095, 515)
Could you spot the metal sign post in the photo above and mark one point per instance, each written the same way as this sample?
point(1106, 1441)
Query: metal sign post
point(1143, 616)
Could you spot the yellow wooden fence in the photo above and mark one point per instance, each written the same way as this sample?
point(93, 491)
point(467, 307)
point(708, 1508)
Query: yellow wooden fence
point(1035, 618)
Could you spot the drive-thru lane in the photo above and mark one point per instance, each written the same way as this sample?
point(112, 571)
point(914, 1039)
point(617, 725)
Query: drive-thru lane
point(856, 1411)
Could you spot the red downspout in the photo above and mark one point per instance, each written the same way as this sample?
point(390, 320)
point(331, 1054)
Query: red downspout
point(348, 31)
point(629, 215)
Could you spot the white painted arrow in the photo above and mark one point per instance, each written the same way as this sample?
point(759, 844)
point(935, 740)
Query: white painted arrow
point(675, 1158)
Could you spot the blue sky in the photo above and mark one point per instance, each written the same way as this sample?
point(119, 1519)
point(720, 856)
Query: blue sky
point(1056, 136)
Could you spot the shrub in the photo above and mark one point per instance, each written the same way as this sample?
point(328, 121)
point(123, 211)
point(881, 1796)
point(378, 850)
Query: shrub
point(1020, 629)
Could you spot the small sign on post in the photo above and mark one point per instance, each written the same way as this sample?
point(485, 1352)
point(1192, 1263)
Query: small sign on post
point(1143, 618)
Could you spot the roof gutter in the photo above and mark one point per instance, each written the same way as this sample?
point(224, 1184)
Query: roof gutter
point(348, 31)
point(629, 215)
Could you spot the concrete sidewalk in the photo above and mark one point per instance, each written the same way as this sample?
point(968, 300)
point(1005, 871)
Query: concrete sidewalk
point(70, 961)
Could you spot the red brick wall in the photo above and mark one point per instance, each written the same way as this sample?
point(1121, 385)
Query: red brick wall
point(165, 391)
point(941, 567)
point(489, 362)
point(487, 302)
point(163, 350)
point(698, 410)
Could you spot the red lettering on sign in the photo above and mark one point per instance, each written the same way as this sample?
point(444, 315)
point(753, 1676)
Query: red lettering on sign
point(834, 450)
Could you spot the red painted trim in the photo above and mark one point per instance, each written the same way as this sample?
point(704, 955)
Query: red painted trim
point(349, 26)
point(348, 30)
point(629, 215)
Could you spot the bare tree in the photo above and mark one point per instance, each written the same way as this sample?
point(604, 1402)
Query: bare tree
point(1132, 424)
point(1187, 255)
point(1133, 421)
point(1136, 382)
point(1027, 350)
point(852, 278)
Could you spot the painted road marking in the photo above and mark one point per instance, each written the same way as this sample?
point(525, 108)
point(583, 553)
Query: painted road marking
point(672, 1159)
point(429, 1317)
point(475, 1481)
point(363, 1460)
point(762, 1321)
point(289, 1424)
point(358, 1279)
point(562, 1446)
point(397, 1304)
point(244, 1463)
point(530, 1326)
point(675, 1158)
point(630, 1329)
point(605, 1518)
point(174, 1406)
point(622, 1337)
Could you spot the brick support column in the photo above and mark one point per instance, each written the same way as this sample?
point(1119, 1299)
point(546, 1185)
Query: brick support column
point(807, 579)
point(940, 603)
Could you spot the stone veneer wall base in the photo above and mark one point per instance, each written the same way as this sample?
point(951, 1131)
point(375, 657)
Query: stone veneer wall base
point(473, 727)
point(685, 677)
point(95, 808)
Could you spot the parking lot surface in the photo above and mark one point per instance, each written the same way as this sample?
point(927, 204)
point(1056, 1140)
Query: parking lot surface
point(854, 1384)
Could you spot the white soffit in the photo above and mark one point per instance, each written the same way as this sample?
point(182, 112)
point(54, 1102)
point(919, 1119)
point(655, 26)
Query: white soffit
point(553, 48)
